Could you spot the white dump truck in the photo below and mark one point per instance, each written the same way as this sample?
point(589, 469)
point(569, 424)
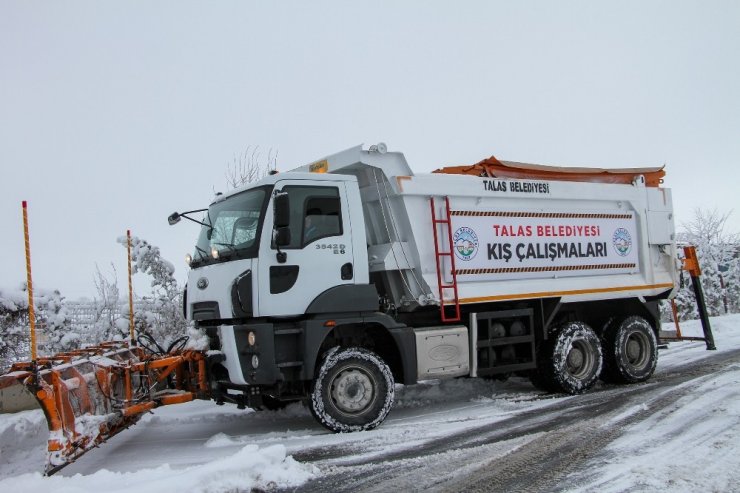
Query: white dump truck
point(334, 281)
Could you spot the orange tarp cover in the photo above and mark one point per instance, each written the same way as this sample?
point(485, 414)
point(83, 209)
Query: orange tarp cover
point(493, 168)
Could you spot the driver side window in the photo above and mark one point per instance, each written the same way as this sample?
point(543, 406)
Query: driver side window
point(315, 214)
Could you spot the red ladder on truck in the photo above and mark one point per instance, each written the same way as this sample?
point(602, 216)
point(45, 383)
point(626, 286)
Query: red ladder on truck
point(438, 257)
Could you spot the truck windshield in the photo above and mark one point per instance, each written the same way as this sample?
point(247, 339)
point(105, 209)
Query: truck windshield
point(232, 227)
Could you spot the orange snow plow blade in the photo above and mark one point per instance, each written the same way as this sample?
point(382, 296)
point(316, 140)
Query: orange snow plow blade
point(91, 394)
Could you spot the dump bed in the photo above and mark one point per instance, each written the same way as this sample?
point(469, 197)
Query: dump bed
point(522, 238)
point(573, 233)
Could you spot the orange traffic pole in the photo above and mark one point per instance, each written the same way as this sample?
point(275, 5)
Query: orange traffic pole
point(130, 288)
point(29, 282)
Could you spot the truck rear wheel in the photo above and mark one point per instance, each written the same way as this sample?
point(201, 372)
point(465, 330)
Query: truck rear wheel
point(630, 350)
point(570, 360)
point(353, 390)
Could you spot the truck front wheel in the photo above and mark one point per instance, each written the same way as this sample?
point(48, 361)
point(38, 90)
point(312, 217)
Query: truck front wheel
point(353, 390)
point(570, 360)
point(630, 350)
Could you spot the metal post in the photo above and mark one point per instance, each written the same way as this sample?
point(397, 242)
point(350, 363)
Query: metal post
point(703, 315)
point(29, 282)
point(130, 288)
point(691, 264)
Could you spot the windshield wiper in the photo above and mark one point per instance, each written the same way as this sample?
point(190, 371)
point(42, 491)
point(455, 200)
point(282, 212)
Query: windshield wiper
point(203, 254)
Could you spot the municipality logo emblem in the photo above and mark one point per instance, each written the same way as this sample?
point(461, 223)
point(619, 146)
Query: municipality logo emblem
point(466, 243)
point(622, 241)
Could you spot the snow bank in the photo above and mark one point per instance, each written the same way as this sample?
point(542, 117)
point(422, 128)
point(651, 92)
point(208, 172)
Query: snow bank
point(27, 429)
point(431, 392)
point(251, 467)
point(221, 440)
point(726, 330)
point(439, 391)
point(727, 327)
point(21, 425)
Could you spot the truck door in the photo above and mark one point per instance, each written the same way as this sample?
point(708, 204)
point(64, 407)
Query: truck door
point(319, 255)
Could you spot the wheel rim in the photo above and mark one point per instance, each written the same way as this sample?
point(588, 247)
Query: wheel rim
point(352, 391)
point(636, 350)
point(580, 360)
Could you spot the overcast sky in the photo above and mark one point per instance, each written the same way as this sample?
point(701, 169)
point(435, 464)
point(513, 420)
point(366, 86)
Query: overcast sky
point(115, 114)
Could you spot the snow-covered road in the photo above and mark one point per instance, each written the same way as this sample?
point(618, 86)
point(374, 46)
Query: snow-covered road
point(678, 432)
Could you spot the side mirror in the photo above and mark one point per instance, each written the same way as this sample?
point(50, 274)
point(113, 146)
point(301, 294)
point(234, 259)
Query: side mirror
point(282, 211)
point(282, 236)
point(174, 218)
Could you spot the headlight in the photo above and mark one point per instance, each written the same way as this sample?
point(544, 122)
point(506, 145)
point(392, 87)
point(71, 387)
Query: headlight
point(214, 253)
point(255, 361)
point(251, 339)
point(188, 259)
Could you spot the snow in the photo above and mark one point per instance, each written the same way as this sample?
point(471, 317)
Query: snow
point(250, 467)
point(694, 445)
point(199, 341)
point(26, 428)
point(689, 445)
point(13, 299)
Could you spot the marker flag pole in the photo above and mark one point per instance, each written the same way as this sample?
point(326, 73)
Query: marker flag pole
point(130, 288)
point(29, 282)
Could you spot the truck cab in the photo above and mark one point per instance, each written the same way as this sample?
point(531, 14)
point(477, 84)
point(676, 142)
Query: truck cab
point(322, 251)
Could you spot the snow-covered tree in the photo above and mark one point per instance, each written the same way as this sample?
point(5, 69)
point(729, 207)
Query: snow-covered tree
point(109, 323)
point(53, 320)
point(160, 315)
point(731, 278)
point(717, 250)
point(14, 337)
point(685, 302)
point(53, 333)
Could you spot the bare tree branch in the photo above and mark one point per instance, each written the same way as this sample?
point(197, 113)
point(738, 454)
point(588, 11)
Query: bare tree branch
point(247, 167)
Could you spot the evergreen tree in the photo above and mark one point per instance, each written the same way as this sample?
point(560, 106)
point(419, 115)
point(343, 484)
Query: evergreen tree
point(731, 279)
point(717, 251)
point(53, 332)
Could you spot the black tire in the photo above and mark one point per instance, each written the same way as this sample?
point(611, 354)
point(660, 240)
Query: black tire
point(630, 350)
point(353, 390)
point(569, 361)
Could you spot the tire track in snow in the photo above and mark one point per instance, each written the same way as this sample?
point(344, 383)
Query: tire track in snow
point(530, 451)
point(544, 464)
